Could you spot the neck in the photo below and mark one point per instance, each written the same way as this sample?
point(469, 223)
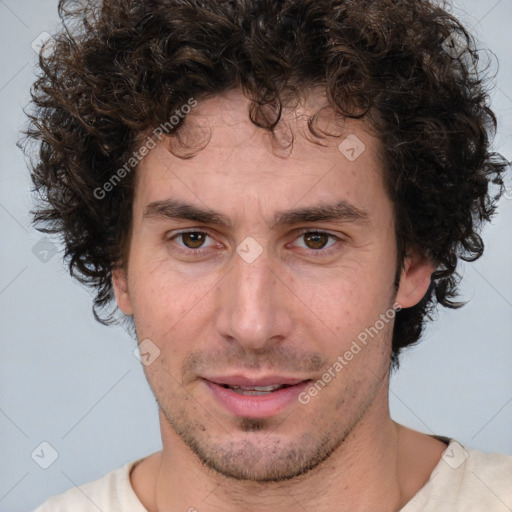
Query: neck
point(370, 470)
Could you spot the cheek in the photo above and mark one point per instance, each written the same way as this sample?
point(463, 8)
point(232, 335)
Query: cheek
point(172, 309)
point(351, 290)
point(341, 307)
point(163, 294)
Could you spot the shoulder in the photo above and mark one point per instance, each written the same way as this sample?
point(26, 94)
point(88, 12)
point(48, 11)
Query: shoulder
point(110, 493)
point(466, 480)
point(490, 473)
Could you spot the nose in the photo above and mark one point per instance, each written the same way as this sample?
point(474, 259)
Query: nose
point(253, 305)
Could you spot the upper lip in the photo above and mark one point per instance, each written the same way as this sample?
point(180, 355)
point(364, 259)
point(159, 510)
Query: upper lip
point(242, 380)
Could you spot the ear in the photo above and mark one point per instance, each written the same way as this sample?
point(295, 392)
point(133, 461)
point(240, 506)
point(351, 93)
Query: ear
point(414, 279)
point(120, 284)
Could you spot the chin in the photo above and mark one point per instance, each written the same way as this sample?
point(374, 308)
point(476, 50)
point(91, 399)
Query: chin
point(257, 455)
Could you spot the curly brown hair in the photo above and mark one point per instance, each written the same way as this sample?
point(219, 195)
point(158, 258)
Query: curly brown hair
point(120, 68)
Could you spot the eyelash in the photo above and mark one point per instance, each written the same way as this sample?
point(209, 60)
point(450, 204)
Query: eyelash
point(315, 252)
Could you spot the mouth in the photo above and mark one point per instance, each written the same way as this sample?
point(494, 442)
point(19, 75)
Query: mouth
point(255, 390)
point(255, 398)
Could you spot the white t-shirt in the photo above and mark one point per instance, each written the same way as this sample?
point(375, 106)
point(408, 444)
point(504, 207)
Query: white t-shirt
point(464, 480)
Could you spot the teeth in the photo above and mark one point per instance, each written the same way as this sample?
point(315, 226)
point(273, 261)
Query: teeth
point(255, 390)
point(258, 388)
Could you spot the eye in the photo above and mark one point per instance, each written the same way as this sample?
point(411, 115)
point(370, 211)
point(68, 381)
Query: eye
point(316, 240)
point(191, 239)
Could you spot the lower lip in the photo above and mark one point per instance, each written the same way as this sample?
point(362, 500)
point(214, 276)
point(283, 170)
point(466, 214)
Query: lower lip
point(257, 406)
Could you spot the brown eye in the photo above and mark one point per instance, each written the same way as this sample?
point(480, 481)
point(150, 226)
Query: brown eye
point(316, 240)
point(193, 240)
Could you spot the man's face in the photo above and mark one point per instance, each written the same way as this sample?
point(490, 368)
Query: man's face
point(264, 293)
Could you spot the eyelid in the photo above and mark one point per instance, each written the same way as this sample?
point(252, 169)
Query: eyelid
point(316, 230)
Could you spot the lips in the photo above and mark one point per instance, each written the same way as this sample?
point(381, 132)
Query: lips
point(255, 397)
point(243, 381)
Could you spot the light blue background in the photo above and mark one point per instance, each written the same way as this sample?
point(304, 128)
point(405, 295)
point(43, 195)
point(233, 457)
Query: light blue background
point(67, 380)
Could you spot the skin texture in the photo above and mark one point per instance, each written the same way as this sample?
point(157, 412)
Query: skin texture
point(290, 312)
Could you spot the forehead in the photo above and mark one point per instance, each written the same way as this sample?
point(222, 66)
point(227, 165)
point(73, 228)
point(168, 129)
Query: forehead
point(224, 120)
point(241, 164)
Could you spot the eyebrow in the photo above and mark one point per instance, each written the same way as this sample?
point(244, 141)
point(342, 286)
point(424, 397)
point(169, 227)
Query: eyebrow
point(340, 211)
